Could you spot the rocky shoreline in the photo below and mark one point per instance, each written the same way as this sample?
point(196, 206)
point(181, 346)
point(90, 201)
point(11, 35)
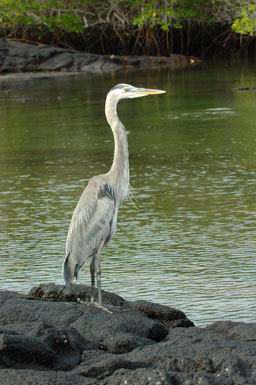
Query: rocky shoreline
point(51, 337)
point(21, 57)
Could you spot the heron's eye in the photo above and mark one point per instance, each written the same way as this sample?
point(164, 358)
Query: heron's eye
point(125, 89)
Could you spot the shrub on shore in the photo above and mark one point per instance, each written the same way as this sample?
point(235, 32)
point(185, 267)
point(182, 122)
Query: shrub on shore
point(153, 27)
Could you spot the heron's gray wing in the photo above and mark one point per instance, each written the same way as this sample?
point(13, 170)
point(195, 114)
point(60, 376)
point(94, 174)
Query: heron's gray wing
point(93, 221)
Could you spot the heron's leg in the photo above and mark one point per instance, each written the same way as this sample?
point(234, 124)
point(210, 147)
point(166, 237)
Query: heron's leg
point(98, 272)
point(92, 271)
point(98, 275)
point(95, 266)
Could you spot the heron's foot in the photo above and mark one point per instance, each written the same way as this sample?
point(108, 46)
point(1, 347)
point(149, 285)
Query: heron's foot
point(99, 306)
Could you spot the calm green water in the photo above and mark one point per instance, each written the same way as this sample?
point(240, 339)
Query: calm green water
point(188, 240)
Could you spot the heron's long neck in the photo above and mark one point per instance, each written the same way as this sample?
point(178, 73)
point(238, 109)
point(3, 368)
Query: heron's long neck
point(119, 172)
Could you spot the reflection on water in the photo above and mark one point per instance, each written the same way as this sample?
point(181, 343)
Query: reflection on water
point(205, 114)
point(187, 239)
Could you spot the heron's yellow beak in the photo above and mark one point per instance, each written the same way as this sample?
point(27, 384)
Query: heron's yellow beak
point(148, 91)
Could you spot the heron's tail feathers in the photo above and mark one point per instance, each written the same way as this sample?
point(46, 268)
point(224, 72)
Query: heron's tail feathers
point(68, 269)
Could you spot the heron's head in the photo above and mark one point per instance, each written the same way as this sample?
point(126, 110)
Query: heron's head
point(126, 91)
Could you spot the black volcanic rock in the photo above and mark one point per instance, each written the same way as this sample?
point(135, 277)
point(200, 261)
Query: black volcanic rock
point(51, 337)
point(17, 57)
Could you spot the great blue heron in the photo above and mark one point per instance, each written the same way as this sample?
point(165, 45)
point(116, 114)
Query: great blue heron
point(94, 220)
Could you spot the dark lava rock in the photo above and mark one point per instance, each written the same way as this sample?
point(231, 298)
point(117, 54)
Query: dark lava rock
point(51, 337)
point(35, 377)
point(235, 329)
point(61, 60)
point(15, 349)
point(16, 56)
point(170, 317)
point(244, 88)
point(73, 293)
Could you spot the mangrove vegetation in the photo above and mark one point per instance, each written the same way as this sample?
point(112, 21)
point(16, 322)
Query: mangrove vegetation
point(205, 28)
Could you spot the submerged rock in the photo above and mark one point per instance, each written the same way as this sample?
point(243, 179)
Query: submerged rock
point(51, 337)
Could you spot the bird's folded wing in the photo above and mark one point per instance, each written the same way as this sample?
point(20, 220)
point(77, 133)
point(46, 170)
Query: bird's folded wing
point(91, 222)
